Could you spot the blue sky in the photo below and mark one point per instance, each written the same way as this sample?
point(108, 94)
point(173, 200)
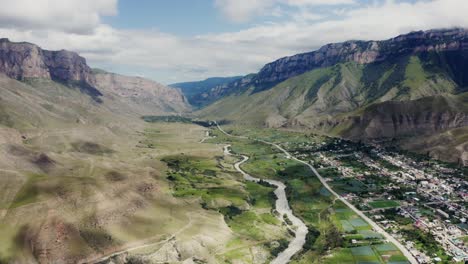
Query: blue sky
point(190, 17)
point(179, 40)
point(195, 17)
point(179, 17)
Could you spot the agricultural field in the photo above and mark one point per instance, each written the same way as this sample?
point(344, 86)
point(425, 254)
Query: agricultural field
point(336, 233)
point(383, 253)
point(247, 207)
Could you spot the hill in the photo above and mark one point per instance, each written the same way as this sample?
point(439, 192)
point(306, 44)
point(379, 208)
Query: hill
point(79, 172)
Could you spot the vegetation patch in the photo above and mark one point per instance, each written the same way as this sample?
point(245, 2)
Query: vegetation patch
point(426, 242)
point(91, 148)
point(115, 176)
point(246, 206)
point(97, 239)
point(43, 161)
point(29, 192)
point(167, 119)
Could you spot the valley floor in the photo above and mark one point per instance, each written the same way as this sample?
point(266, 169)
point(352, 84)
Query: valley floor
point(165, 192)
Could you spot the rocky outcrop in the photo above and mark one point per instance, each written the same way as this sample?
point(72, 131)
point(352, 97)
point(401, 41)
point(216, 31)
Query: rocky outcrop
point(362, 52)
point(22, 60)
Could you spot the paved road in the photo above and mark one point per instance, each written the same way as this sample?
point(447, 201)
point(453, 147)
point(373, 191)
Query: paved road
point(376, 227)
point(282, 207)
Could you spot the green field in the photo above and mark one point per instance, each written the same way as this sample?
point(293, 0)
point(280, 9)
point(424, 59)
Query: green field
point(383, 253)
point(246, 206)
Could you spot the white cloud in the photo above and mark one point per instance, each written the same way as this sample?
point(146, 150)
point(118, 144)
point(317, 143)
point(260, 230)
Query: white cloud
point(243, 10)
point(319, 2)
point(74, 16)
point(169, 58)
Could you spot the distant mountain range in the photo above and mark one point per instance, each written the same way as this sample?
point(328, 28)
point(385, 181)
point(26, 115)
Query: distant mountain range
point(412, 88)
point(202, 93)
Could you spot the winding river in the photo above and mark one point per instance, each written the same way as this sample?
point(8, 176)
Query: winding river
point(282, 207)
point(294, 245)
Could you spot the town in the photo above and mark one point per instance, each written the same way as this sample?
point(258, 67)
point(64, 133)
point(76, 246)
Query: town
point(421, 202)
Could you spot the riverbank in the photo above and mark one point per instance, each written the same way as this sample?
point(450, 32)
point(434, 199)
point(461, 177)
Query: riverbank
point(282, 207)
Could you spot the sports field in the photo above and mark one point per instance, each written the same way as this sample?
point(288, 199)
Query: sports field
point(384, 204)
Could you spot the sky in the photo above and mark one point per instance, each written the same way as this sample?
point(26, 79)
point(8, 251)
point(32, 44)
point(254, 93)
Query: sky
point(184, 40)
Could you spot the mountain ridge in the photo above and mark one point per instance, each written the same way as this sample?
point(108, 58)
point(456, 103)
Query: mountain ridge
point(362, 52)
point(360, 88)
point(23, 61)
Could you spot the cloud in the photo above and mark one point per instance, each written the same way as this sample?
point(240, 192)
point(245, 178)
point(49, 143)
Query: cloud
point(243, 10)
point(240, 11)
point(72, 16)
point(319, 2)
point(169, 58)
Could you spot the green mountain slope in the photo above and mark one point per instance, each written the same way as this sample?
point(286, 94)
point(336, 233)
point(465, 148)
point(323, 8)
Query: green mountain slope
point(360, 101)
point(338, 89)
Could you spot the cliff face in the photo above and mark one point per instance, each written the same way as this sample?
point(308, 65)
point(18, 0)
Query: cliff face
point(26, 60)
point(361, 52)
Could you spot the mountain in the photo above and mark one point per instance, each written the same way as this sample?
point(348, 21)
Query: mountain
point(406, 86)
point(201, 93)
point(77, 164)
point(147, 96)
point(25, 61)
point(364, 52)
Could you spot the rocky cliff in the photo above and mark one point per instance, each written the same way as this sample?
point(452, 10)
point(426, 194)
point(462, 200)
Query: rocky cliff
point(361, 52)
point(21, 60)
